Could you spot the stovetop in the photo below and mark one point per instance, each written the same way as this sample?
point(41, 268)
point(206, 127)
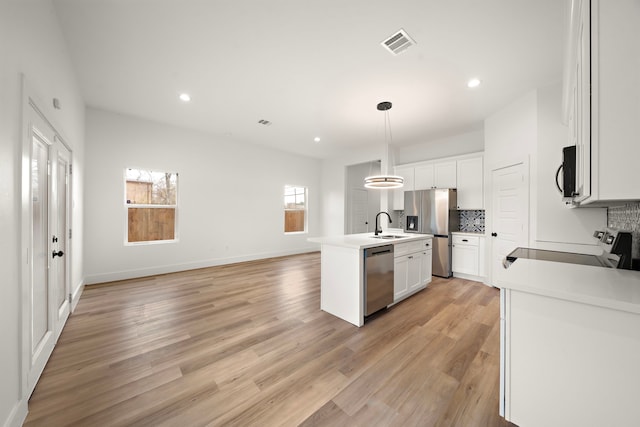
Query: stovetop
point(557, 256)
point(615, 245)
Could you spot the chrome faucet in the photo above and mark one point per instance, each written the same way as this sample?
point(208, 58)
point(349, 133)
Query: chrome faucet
point(379, 230)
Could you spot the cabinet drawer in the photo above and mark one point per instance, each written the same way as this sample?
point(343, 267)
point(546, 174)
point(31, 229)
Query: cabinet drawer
point(465, 240)
point(401, 249)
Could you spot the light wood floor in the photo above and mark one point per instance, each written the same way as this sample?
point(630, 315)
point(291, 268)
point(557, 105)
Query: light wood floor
point(247, 344)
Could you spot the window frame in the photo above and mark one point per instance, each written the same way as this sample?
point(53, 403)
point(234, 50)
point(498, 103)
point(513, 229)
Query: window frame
point(128, 206)
point(305, 209)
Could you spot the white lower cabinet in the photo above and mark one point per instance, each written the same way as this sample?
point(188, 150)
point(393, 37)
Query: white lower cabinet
point(467, 256)
point(465, 259)
point(566, 363)
point(414, 271)
point(426, 258)
point(412, 268)
point(400, 277)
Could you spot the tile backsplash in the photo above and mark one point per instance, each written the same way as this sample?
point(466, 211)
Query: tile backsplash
point(627, 218)
point(472, 221)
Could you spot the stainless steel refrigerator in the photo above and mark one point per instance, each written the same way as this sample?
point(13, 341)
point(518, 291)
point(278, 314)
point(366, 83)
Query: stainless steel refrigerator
point(434, 212)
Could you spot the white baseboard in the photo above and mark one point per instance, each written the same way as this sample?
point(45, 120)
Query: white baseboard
point(469, 277)
point(75, 296)
point(18, 414)
point(163, 269)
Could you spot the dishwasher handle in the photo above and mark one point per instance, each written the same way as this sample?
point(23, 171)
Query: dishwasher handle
point(382, 250)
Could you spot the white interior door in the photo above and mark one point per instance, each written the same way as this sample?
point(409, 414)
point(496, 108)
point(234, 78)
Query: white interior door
point(359, 211)
point(41, 329)
point(61, 193)
point(47, 218)
point(510, 213)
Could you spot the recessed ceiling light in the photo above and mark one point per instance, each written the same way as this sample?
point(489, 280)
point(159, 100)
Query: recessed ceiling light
point(185, 97)
point(316, 139)
point(473, 83)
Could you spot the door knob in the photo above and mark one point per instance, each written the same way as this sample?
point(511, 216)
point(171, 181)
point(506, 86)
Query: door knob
point(494, 234)
point(59, 253)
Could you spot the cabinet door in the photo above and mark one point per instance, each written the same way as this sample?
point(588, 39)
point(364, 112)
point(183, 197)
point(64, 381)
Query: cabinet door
point(581, 132)
point(424, 178)
point(470, 184)
point(414, 271)
point(398, 193)
point(444, 175)
point(465, 259)
point(427, 256)
point(400, 277)
point(481, 257)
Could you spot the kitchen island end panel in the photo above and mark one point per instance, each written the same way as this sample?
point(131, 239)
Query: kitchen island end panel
point(341, 287)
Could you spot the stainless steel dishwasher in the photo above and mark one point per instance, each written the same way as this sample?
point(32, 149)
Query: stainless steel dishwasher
point(378, 278)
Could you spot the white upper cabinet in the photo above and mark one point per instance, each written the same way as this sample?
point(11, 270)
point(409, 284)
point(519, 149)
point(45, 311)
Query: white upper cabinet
point(462, 172)
point(578, 98)
point(444, 174)
point(398, 194)
point(469, 180)
point(601, 98)
point(424, 177)
point(436, 175)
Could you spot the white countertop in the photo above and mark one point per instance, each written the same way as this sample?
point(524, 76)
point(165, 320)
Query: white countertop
point(599, 286)
point(367, 240)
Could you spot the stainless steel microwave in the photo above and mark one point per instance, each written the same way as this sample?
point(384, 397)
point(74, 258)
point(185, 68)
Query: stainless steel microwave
point(568, 169)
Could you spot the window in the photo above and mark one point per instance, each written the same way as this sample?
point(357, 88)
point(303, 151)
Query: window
point(151, 200)
point(295, 209)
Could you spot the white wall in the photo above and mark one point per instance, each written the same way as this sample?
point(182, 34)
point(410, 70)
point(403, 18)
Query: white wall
point(530, 130)
point(230, 198)
point(31, 43)
point(511, 133)
point(510, 137)
point(334, 185)
point(553, 225)
point(464, 143)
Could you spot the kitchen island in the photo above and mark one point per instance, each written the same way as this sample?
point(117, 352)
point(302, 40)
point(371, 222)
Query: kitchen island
point(570, 340)
point(342, 292)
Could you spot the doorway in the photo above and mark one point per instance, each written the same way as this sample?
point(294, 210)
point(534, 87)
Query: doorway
point(361, 204)
point(46, 214)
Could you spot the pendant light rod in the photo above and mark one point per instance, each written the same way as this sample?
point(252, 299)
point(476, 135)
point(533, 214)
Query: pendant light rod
point(385, 181)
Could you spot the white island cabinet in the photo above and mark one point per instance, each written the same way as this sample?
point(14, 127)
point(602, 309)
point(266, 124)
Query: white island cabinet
point(412, 267)
point(342, 270)
point(570, 340)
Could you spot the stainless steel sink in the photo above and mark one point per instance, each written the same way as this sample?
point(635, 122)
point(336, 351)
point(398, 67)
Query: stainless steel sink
point(388, 236)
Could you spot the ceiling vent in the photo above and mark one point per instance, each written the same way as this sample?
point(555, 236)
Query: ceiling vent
point(398, 42)
point(264, 122)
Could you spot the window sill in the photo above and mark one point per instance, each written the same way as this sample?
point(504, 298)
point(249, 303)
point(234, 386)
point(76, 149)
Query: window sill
point(151, 242)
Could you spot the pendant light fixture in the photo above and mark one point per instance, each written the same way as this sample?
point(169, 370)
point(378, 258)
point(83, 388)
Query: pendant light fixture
point(385, 181)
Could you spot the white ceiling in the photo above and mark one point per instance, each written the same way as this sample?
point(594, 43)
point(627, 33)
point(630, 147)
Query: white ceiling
point(312, 68)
